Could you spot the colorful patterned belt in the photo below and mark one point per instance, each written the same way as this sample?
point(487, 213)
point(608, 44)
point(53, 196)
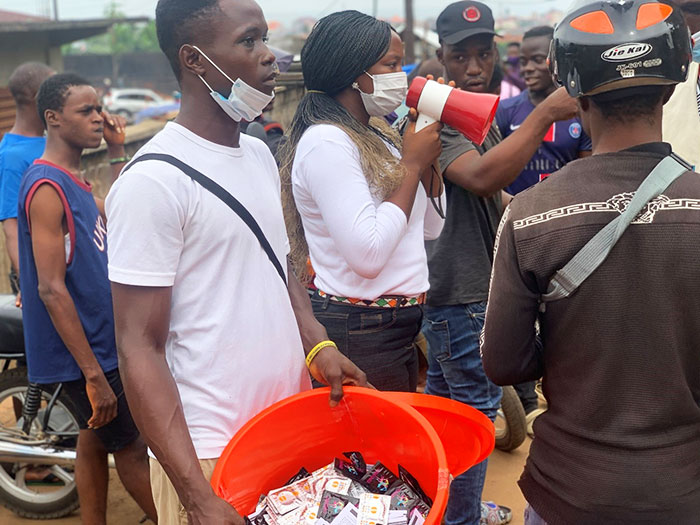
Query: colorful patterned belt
point(392, 301)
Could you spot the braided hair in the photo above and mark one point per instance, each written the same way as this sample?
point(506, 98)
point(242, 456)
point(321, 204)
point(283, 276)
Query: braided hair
point(340, 48)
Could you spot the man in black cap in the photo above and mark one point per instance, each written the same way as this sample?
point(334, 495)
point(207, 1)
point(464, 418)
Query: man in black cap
point(460, 260)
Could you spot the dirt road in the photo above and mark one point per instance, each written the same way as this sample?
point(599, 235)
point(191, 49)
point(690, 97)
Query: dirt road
point(503, 472)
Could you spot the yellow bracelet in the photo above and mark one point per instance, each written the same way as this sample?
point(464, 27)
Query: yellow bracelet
point(316, 349)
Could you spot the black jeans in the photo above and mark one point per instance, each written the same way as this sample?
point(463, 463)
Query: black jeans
point(380, 341)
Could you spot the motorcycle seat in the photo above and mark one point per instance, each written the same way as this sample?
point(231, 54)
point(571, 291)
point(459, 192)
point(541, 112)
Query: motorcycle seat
point(11, 335)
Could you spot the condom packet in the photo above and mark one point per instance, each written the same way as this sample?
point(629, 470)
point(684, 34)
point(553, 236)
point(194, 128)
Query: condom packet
point(347, 469)
point(380, 479)
point(416, 518)
point(302, 474)
point(398, 517)
point(357, 490)
point(374, 509)
point(412, 482)
point(403, 497)
point(332, 504)
point(358, 461)
point(289, 498)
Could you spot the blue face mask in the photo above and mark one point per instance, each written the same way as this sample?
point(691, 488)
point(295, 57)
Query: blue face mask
point(244, 102)
point(696, 47)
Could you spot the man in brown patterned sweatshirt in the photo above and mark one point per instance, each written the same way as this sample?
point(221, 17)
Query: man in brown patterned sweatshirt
point(620, 358)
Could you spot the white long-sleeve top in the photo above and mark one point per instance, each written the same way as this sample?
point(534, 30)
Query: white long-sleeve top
point(360, 247)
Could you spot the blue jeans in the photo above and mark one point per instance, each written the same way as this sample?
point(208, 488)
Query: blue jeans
point(455, 371)
point(532, 518)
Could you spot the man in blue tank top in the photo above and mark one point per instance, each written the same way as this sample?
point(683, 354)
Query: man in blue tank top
point(67, 304)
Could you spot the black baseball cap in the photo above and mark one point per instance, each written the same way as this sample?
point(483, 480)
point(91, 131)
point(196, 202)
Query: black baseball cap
point(464, 19)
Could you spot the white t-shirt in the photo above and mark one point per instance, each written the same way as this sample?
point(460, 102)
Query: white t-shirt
point(234, 346)
point(360, 247)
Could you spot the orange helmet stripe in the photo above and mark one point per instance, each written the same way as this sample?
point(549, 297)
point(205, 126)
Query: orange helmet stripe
point(595, 22)
point(650, 14)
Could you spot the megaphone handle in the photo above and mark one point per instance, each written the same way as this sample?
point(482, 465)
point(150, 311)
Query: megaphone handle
point(423, 121)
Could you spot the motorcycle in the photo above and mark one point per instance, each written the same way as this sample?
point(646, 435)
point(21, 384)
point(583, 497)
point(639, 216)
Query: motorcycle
point(38, 432)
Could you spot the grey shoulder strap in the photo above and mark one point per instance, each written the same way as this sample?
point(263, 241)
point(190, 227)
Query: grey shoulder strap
point(567, 280)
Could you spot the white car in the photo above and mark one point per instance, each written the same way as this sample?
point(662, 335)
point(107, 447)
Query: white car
point(128, 102)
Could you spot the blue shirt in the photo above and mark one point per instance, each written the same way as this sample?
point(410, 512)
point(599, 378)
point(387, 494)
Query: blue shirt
point(563, 143)
point(48, 359)
point(16, 155)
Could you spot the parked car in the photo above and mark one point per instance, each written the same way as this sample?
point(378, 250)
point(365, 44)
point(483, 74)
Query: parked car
point(128, 102)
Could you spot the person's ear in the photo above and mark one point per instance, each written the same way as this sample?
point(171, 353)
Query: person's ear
point(669, 93)
point(52, 118)
point(584, 104)
point(191, 60)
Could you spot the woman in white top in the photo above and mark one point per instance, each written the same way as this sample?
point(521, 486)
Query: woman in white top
point(357, 201)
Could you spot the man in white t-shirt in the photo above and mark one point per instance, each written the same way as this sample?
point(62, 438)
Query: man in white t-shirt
point(208, 333)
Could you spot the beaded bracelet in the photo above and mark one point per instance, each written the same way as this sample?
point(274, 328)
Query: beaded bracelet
point(118, 160)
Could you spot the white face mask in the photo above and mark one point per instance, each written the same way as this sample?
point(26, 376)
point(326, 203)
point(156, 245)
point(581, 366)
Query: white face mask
point(390, 91)
point(244, 102)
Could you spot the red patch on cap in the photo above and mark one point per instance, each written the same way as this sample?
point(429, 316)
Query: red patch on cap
point(472, 14)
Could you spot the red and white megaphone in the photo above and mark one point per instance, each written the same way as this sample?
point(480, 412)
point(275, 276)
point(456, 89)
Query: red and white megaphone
point(469, 113)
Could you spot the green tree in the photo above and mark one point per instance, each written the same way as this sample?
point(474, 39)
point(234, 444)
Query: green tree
point(121, 38)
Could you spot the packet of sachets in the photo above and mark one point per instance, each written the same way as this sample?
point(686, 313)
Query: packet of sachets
point(403, 497)
point(374, 509)
point(331, 505)
point(380, 479)
point(289, 498)
point(412, 482)
point(416, 518)
point(302, 474)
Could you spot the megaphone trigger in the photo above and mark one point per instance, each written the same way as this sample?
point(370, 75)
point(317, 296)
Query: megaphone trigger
point(424, 121)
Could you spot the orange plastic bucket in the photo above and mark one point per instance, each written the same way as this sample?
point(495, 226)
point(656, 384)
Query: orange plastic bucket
point(303, 431)
point(467, 435)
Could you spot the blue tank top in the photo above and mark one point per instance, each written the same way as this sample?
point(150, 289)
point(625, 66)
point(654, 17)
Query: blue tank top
point(48, 359)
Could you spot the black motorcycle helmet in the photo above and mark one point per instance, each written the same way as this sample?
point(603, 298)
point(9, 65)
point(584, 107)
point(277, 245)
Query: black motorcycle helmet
point(606, 45)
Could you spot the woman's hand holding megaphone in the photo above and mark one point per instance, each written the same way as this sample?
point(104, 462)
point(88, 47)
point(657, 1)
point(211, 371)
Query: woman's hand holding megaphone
point(423, 148)
point(420, 150)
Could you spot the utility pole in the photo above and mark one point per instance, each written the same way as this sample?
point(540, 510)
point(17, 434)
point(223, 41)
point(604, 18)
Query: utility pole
point(408, 35)
point(55, 9)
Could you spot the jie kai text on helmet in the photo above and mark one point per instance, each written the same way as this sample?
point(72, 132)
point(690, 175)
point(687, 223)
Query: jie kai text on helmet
point(605, 45)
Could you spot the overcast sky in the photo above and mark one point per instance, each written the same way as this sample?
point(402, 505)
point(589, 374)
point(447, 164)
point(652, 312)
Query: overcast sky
point(281, 10)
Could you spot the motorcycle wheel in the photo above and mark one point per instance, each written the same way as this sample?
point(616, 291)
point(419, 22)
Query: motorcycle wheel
point(21, 497)
point(511, 426)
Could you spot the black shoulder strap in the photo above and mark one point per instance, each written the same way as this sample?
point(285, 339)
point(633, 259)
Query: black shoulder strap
point(222, 194)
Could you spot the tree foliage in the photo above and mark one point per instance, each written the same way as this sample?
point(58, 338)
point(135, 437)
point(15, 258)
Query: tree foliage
point(120, 39)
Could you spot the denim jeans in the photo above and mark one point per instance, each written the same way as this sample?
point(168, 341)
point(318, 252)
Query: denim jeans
point(380, 341)
point(532, 518)
point(455, 371)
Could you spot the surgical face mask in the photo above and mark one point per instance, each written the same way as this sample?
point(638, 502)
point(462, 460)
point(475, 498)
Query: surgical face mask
point(696, 47)
point(244, 102)
point(390, 91)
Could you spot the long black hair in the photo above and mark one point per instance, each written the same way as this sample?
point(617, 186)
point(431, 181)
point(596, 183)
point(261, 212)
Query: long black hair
point(341, 47)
